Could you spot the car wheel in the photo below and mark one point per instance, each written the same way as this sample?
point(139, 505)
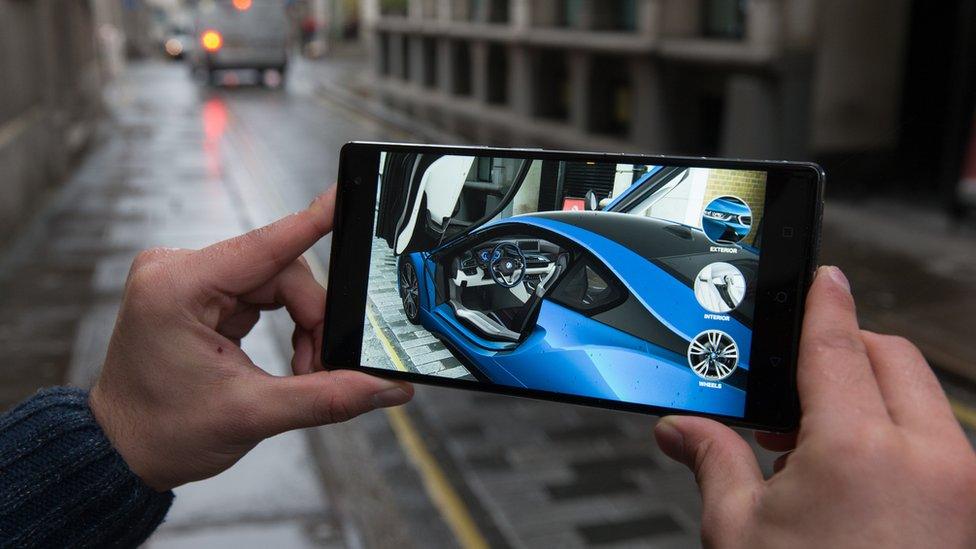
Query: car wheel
point(409, 287)
point(713, 355)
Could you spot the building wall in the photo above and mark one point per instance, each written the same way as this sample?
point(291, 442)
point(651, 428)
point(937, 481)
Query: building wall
point(774, 80)
point(50, 100)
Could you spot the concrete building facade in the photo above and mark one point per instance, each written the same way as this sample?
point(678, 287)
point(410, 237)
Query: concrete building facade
point(752, 78)
point(50, 95)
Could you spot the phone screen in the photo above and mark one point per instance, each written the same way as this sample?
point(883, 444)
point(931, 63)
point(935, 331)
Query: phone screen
point(624, 282)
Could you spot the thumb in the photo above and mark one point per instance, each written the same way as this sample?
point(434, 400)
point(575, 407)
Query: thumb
point(725, 468)
point(321, 398)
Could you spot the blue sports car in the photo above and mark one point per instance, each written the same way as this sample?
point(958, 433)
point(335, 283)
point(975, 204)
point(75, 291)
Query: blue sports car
point(597, 304)
point(727, 219)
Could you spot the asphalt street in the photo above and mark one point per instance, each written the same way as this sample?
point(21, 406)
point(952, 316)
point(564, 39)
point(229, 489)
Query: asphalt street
point(183, 164)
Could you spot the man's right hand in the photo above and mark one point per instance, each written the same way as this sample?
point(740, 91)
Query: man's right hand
point(879, 460)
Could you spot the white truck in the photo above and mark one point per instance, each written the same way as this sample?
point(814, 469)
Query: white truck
point(240, 34)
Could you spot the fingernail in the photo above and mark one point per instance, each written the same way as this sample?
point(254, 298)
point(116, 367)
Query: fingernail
point(837, 276)
point(670, 439)
point(390, 397)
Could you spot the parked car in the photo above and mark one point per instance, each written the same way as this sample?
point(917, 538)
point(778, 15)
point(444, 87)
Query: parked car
point(565, 301)
point(241, 34)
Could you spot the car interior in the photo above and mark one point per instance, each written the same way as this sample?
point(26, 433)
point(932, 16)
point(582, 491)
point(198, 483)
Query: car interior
point(494, 285)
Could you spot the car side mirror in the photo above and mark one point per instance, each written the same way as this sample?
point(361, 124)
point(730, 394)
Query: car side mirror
point(590, 202)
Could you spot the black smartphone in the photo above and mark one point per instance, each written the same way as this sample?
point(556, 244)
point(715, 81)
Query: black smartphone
point(642, 283)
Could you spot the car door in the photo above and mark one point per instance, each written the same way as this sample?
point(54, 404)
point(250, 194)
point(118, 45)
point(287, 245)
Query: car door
point(428, 199)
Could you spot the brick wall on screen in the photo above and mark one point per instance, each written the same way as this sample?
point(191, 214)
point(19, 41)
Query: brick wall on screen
point(750, 186)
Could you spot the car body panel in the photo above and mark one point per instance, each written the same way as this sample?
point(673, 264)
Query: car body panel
point(569, 352)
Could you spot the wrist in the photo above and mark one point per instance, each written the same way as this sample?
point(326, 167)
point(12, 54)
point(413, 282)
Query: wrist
point(107, 415)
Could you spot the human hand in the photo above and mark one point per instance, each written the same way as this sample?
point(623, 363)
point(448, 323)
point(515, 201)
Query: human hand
point(879, 459)
point(178, 397)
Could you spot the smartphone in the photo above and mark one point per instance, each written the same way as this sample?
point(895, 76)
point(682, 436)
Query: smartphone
point(653, 284)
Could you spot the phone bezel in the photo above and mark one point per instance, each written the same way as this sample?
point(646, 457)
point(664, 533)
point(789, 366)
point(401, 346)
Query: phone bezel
point(794, 201)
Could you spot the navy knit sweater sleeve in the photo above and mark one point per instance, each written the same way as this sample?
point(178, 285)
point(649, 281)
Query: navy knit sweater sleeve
point(63, 485)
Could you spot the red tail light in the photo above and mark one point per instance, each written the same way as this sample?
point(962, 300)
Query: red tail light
point(211, 40)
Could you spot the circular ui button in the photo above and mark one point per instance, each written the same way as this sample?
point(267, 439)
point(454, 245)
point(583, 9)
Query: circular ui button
point(713, 355)
point(720, 287)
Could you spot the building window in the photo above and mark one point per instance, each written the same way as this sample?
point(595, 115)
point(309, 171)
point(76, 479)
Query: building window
point(461, 55)
point(497, 74)
point(466, 10)
point(384, 45)
point(498, 11)
point(393, 7)
point(557, 13)
point(429, 46)
point(611, 97)
point(552, 91)
point(615, 15)
point(405, 44)
point(428, 9)
point(724, 19)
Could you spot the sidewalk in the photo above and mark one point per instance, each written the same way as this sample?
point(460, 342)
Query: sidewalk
point(61, 283)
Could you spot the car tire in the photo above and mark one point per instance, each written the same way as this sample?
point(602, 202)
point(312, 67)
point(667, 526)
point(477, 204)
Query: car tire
point(408, 285)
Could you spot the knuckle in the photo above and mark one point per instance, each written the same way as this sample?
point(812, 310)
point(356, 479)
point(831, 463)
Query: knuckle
point(835, 340)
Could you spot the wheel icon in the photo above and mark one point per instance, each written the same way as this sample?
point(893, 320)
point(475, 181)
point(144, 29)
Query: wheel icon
point(409, 287)
point(713, 355)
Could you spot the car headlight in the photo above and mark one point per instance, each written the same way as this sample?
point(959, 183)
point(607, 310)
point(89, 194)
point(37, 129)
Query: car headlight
point(718, 215)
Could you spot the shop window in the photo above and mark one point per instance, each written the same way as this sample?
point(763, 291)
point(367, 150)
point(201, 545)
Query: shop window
point(615, 15)
point(611, 97)
point(497, 74)
point(461, 55)
point(429, 48)
point(551, 85)
point(384, 45)
point(393, 7)
point(724, 19)
point(498, 11)
point(405, 45)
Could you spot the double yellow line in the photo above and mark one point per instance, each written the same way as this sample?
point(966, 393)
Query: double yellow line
point(447, 500)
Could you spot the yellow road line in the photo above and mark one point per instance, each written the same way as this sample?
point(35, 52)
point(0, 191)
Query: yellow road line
point(387, 346)
point(447, 500)
point(965, 414)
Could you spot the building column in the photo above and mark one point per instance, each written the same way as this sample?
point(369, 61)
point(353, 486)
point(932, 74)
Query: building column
point(445, 66)
point(764, 24)
point(580, 66)
point(520, 13)
point(417, 60)
point(479, 71)
point(649, 127)
point(751, 128)
point(396, 42)
point(521, 85)
point(649, 16)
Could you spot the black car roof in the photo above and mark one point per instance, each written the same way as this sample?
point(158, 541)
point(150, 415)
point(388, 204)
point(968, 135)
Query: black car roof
point(650, 237)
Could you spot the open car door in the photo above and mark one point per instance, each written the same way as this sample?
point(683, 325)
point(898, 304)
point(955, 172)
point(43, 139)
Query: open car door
point(427, 199)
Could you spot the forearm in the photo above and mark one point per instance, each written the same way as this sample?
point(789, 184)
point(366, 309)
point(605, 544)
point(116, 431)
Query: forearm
point(63, 484)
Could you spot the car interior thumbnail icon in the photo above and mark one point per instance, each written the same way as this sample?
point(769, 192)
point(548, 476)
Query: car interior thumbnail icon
point(727, 220)
point(720, 287)
point(713, 355)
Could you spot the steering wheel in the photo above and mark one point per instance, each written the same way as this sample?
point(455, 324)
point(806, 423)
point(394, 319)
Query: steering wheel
point(506, 265)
